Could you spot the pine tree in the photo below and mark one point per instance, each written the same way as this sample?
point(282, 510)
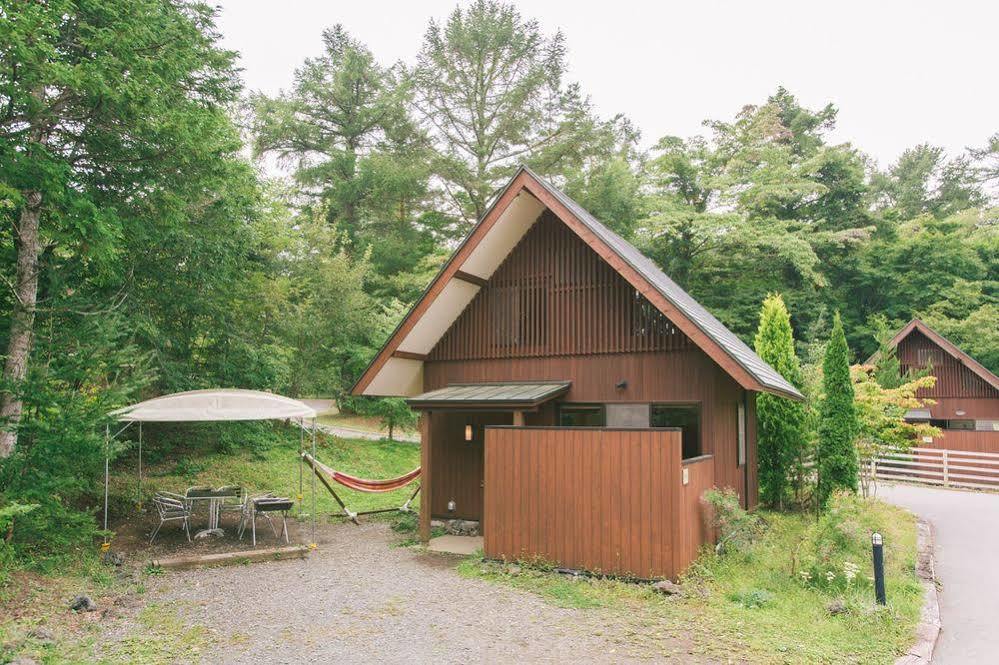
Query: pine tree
point(837, 456)
point(781, 422)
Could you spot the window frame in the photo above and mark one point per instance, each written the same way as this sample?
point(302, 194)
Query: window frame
point(698, 409)
point(742, 434)
point(563, 406)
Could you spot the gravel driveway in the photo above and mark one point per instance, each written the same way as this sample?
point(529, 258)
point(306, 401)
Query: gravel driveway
point(360, 598)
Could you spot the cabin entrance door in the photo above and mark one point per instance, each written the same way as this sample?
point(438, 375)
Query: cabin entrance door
point(458, 463)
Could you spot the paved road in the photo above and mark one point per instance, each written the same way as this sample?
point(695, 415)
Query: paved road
point(966, 528)
point(351, 433)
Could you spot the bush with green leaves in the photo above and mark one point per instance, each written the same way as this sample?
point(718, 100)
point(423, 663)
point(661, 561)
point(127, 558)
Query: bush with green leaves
point(737, 528)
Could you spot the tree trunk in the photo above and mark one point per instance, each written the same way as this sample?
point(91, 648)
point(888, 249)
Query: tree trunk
point(22, 319)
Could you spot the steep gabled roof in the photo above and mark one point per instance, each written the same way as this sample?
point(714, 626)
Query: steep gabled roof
point(397, 369)
point(948, 346)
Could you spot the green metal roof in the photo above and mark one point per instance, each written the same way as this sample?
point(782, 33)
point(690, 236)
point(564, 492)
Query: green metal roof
point(495, 395)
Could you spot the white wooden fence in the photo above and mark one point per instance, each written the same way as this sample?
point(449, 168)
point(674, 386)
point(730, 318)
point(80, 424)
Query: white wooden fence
point(937, 466)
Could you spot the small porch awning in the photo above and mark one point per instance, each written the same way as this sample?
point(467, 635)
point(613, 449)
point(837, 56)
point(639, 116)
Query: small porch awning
point(917, 414)
point(514, 396)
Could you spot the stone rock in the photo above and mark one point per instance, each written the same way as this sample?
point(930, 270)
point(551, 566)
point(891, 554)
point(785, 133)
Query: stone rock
point(462, 527)
point(667, 588)
point(23, 660)
point(837, 606)
point(82, 604)
point(513, 570)
point(42, 634)
point(115, 559)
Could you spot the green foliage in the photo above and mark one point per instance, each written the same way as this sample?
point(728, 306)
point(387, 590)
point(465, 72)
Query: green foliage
point(490, 88)
point(737, 528)
point(751, 599)
point(838, 427)
point(781, 436)
point(346, 128)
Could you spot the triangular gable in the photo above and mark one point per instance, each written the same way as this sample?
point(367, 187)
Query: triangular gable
point(397, 369)
point(946, 345)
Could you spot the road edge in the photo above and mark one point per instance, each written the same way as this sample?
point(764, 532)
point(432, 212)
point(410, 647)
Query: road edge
point(928, 628)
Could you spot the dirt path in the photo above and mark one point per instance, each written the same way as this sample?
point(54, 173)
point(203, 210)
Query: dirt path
point(360, 598)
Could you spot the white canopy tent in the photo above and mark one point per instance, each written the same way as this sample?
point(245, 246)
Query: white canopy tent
point(229, 405)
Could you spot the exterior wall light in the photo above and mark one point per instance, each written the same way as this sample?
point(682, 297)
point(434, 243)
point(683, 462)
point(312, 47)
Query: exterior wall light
point(451, 505)
point(469, 432)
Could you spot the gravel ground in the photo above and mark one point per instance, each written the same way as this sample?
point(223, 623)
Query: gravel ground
point(359, 598)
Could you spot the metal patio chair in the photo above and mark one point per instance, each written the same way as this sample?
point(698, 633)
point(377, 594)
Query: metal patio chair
point(171, 508)
point(232, 499)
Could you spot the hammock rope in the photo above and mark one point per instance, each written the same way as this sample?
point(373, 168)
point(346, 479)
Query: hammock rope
point(326, 473)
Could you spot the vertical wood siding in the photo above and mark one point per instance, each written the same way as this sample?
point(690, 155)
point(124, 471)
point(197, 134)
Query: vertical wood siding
point(457, 464)
point(691, 530)
point(966, 441)
point(953, 378)
point(553, 295)
point(678, 376)
point(594, 499)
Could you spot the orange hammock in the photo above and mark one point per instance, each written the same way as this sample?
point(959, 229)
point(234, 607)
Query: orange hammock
point(362, 485)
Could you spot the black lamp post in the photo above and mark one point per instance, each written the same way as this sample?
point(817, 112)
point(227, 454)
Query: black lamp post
point(879, 568)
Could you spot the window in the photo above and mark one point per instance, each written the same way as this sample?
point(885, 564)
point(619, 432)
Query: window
point(961, 424)
point(987, 425)
point(742, 433)
point(581, 415)
point(685, 416)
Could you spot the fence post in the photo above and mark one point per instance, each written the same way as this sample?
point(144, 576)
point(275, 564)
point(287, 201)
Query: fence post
point(946, 476)
point(874, 467)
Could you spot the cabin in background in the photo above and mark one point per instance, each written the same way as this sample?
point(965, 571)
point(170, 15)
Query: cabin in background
point(574, 400)
point(966, 393)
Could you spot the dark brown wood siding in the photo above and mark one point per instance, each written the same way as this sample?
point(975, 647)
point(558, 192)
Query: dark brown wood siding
point(967, 441)
point(688, 376)
point(458, 464)
point(553, 295)
point(602, 500)
point(954, 380)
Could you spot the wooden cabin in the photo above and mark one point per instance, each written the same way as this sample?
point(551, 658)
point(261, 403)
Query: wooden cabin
point(574, 400)
point(966, 394)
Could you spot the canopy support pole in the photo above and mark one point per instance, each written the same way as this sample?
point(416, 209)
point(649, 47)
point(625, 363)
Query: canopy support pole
point(313, 544)
point(107, 472)
point(138, 498)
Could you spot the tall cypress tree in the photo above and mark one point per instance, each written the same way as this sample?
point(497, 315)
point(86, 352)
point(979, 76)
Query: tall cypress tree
point(781, 422)
point(837, 456)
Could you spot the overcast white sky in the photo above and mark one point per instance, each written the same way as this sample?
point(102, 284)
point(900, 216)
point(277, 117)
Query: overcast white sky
point(901, 72)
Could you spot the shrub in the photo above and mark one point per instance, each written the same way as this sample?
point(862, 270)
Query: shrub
point(752, 598)
point(737, 528)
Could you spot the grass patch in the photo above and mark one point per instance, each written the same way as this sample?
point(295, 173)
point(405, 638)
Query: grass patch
point(276, 468)
point(755, 604)
point(35, 619)
point(162, 637)
point(577, 592)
